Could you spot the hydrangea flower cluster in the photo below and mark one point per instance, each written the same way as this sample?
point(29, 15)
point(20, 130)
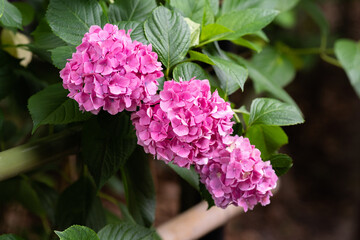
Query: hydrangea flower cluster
point(109, 71)
point(237, 175)
point(185, 124)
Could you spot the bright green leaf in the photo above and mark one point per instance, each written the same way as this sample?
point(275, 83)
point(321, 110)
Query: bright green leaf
point(189, 175)
point(194, 32)
point(247, 21)
point(10, 236)
point(77, 232)
point(275, 66)
point(249, 44)
point(107, 143)
point(139, 188)
point(11, 16)
point(208, 15)
point(267, 139)
point(52, 106)
point(188, 70)
point(60, 55)
point(281, 163)
point(198, 56)
point(232, 76)
point(169, 35)
point(137, 30)
point(78, 204)
point(70, 20)
point(235, 5)
point(213, 32)
point(260, 78)
point(272, 112)
point(348, 53)
point(190, 8)
point(2, 4)
point(127, 231)
point(134, 10)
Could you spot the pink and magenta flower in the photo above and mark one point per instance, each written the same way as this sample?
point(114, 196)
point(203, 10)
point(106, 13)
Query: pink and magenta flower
point(184, 124)
point(109, 71)
point(237, 175)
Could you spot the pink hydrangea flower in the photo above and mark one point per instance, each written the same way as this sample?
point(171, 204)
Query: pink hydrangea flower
point(237, 175)
point(109, 71)
point(184, 124)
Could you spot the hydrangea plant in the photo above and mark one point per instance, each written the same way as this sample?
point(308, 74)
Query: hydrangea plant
point(123, 83)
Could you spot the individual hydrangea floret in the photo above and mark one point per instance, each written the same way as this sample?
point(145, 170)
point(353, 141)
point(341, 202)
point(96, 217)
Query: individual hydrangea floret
point(237, 175)
point(109, 71)
point(185, 124)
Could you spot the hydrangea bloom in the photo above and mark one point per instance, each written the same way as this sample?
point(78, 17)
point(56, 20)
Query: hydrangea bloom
point(185, 124)
point(110, 71)
point(237, 175)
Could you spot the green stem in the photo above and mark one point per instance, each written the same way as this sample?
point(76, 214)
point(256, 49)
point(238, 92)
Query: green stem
point(331, 60)
point(237, 119)
point(108, 197)
point(26, 157)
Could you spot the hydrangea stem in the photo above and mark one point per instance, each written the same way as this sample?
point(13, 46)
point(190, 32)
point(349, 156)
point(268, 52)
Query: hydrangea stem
point(31, 155)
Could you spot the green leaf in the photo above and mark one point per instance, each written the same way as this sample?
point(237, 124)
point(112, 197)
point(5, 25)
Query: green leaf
point(232, 76)
point(45, 38)
point(60, 55)
point(247, 21)
point(10, 236)
point(127, 231)
point(249, 44)
point(268, 139)
point(348, 53)
point(213, 32)
point(169, 35)
point(260, 78)
point(134, 10)
point(11, 16)
point(77, 232)
point(70, 20)
point(281, 163)
point(137, 32)
point(194, 32)
point(188, 70)
point(197, 56)
point(208, 16)
point(139, 188)
point(107, 143)
point(189, 175)
point(275, 65)
point(52, 106)
point(27, 12)
point(2, 4)
point(234, 5)
point(273, 112)
point(206, 195)
point(190, 8)
point(78, 204)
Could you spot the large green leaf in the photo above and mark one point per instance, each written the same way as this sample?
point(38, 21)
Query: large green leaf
point(235, 5)
point(197, 56)
point(188, 70)
point(137, 30)
point(11, 16)
point(213, 32)
point(70, 20)
point(45, 38)
point(194, 31)
point(2, 4)
point(272, 112)
point(60, 55)
point(107, 143)
point(139, 188)
point(169, 35)
point(189, 175)
point(281, 163)
point(246, 21)
point(77, 232)
point(275, 65)
point(27, 12)
point(127, 231)
point(267, 139)
point(190, 8)
point(78, 204)
point(348, 53)
point(52, 106)
point(232, 76)
point(10, 237)
point(134, 10)
point(260, 78)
